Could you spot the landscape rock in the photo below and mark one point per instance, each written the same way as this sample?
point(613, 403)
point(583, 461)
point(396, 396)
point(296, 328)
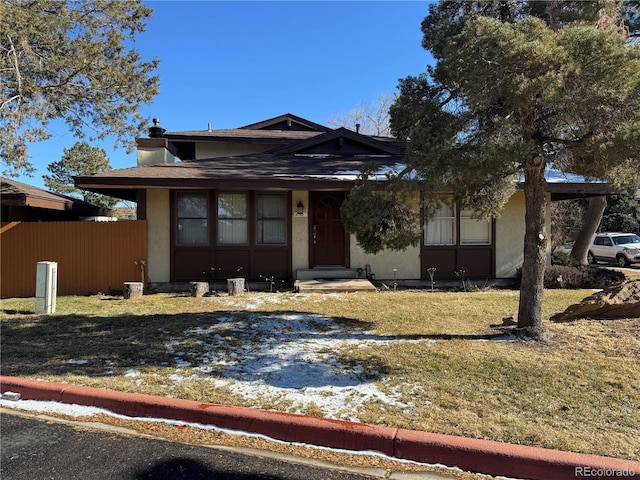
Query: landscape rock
point(619, 301)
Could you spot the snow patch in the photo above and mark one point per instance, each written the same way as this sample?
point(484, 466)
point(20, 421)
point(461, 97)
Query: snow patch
point(292, 358)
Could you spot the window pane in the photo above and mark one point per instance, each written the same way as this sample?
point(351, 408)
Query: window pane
point(271, 221)
point(192, 205)
point(232, 232)
point(232, 205)
point(191, 210)
point(232, 219)
point(472, 231)
point(440, 230)
point(192, 231)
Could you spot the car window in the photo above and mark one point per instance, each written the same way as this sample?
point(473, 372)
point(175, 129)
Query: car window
point(599, 241)
point(626, 239)
point(607, 242)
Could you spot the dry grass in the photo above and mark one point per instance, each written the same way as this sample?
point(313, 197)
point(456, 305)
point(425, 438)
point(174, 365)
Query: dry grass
point(579, 392)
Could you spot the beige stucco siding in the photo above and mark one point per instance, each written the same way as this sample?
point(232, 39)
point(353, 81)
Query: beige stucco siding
point(510, 228)
point(158, 235)
point(510, 237)
point(299, 232)
point(407, 262)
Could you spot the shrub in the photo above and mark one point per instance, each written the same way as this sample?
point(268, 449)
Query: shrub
point(560, 257)
point(558, 276)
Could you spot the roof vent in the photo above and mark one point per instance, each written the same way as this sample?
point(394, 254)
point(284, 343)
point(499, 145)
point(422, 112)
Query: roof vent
point(156, 131)
point(357, 128)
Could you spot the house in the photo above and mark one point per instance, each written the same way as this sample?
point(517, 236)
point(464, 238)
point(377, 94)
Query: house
point(264, 200)
point(26, 203)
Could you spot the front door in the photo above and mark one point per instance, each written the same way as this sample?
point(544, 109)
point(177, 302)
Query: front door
point(329, 244)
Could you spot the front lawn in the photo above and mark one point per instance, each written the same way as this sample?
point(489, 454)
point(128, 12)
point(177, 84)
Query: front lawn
point(418, 360)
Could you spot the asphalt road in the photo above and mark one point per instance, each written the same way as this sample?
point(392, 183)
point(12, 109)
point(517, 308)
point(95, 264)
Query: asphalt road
point(32, 448)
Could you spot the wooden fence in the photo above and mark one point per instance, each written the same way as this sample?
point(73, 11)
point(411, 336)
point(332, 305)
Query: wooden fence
point(92, 256)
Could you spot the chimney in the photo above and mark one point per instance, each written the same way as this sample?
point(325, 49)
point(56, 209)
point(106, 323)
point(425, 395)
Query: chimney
point(357, 128)
point(156, 131)
point(156, 149)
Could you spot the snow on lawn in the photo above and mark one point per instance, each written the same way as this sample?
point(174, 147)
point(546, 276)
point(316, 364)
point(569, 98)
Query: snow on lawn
point(286, 358)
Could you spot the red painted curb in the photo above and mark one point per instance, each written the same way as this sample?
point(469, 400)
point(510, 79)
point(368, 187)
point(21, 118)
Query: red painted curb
point(516, 461)
point(481, 456)
point(279, 425)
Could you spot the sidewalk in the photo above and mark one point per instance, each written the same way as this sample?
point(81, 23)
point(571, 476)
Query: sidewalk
point(480, 456)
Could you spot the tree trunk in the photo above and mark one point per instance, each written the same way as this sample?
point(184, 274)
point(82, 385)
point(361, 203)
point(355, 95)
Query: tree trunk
point(535, 249)
point(199, 289)
point(592, 220)
point(235, 286)
point(133, 290)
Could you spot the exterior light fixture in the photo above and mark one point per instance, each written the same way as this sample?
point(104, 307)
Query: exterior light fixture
point(300, 208)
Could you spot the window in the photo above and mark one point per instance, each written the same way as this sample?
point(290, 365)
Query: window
point(440, 230)
point(232, 219)
point(473, 231)
point(271, 223)
point(192, 213)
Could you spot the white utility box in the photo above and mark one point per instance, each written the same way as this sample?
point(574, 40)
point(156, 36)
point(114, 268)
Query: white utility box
point(46, 287)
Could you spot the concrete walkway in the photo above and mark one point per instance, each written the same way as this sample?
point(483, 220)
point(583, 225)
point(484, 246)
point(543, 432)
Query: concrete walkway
point(480, 456)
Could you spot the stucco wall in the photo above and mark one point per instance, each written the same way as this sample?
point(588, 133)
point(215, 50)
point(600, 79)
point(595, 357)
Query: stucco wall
point(510, 228)
point(510, 237)
point(299, 232)
point(382, 264)
point(158, 235)
point(407, 262)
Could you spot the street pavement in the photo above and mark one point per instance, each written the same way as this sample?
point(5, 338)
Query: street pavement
point(33, 448)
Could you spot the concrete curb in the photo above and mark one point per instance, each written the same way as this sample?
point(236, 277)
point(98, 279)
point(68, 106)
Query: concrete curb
point(474, 455)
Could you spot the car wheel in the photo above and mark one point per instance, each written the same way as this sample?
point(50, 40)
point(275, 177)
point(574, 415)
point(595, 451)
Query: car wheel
point(591, 260)
point(621, 260)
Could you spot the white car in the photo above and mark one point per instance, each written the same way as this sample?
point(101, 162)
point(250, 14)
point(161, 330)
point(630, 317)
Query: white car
point(620, 248)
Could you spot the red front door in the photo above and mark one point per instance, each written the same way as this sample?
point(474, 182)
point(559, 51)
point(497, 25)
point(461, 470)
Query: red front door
point(329, 245)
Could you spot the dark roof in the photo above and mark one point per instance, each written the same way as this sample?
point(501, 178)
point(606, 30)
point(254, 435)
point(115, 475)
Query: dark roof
point(261, 171)
point(363, 143)
point(287, 122)
point(281, 130)
point(239, 134)
point(306, 155)
point(18, 194)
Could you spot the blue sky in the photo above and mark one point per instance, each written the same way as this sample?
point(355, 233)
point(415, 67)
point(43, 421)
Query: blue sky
point(238, 62)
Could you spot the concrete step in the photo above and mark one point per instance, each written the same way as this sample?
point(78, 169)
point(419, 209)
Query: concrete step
point(327, 272)
point(330, 286)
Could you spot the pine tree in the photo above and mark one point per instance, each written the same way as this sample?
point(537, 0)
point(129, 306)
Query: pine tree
point(70, 61)
point(516, 88)
point(81, 159)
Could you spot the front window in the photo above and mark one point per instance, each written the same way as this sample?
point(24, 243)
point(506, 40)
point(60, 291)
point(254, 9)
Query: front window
point(440, 229)
point(474, 231)
point(451, 225)
point(271, 223)
point(192, 219)
point(232, 219)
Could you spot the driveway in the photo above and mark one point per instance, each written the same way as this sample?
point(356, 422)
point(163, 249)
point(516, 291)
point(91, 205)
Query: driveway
point(631, 273)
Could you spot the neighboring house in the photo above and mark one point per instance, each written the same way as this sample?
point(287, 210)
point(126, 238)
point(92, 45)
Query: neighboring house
point(26, 203)
point(264, 200)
